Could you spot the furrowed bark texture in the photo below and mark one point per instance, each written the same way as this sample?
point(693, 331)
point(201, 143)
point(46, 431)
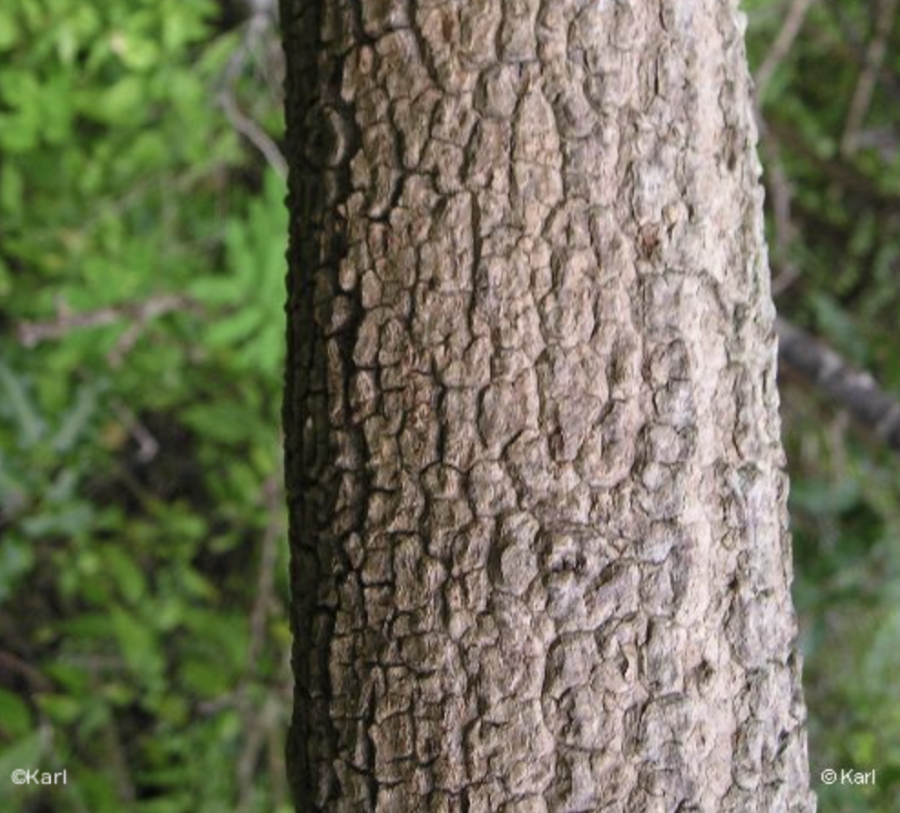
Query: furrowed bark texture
point(540, 556)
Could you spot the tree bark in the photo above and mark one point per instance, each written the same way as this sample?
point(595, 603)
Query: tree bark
point(540, 557)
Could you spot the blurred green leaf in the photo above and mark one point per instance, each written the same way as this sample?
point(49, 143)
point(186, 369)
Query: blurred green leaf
point(15, 718)
point(19, 407)
point(25, 752)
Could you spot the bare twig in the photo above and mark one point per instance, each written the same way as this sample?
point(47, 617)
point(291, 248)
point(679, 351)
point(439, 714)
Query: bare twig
point(258, 722)
point(253, 133)
point(849, 44)
point(781, 195)
point(277, 768)
point(117, 756)
point(853, 182)
point(95, 663)
point(865, 86)
point(265, 583)
point(850, 388)
point(14, 664)
point(263, 721)
point(148, 445)
point(140, 313)
point(257, 25)
point(793, 22)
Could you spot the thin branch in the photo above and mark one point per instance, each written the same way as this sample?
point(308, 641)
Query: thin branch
point(865, 86)
point(117, 758)
point(277, 768)
point(148, 445)
point(781, 194)
point(259, 722)
point(259, 22)
point(13, 664)
point(852, 182)
point(265, 584)
point(67, 321)
point(253, 133)
point(793, 22)
point(849, 45)
point(851, 388)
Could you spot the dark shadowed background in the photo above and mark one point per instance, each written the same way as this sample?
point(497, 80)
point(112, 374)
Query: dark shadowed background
point(143, 630)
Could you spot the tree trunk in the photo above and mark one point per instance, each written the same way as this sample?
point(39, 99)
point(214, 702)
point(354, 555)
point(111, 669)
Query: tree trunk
point(540, 549)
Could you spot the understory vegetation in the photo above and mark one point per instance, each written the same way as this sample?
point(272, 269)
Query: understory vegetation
point(144, 642)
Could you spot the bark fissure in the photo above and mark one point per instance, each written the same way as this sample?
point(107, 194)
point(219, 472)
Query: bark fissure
point(540, 557)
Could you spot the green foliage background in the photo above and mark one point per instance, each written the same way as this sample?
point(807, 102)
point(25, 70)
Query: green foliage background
point(143, 633)
point(140, 463)
point(836, 266)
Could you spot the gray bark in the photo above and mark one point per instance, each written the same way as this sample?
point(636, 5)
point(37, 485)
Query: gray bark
point(540, 558)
